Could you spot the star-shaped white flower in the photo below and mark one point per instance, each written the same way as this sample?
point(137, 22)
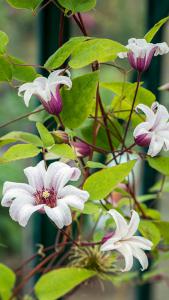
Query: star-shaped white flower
point(47, 90)
point(154, 132)
point(141, 53)
point(124, 241)
point(47, 192)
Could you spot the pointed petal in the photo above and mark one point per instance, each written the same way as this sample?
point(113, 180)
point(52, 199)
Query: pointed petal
point(41, 82)
point(150, 116)
point(67, 217)
point(24, 87)
point(73, 201)
point(25, 213)
point(141, 242)
point(155, 146)
point(15, 185)
point(18, 204)
point(133, 225)
point(57, 215)
point(36, 175)
point(110, 244)
point(141, 256)
point(125, 250)
point(74, 191)
point(13, 193)
point(142, 128)
point(121, 224)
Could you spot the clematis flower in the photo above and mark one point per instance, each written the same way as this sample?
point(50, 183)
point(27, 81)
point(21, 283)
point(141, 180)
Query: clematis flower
point(141, 53)
point(125, 242)
point(154, 132)
point(47, 90)
point(47, 192)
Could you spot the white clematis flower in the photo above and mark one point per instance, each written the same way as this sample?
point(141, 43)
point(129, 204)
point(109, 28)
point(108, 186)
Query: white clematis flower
point(46, 192)
point(154, 132)
point(141, 53)
point(124, 241)
point(47, 90)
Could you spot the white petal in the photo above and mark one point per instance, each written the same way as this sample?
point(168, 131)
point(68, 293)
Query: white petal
point(110, 244)
point(27, 96)
point(17, 205)
point(133, 225)
point(25, 213)
point(162, 49)
point(13, 193)
point(52, 170)
point(141, 256)
point(155, 146)
point(73, 201)
point(126, 251)
point(36, 175)
point(41, 82)
point(141, 242)
point(67, 217)
point(150, 116)
point(142, 128)
point(121, 224)
point(64, 176)
point(57, 215)
point(53, 75)
point(74, 191)
point(15, 185)
point(24, 87)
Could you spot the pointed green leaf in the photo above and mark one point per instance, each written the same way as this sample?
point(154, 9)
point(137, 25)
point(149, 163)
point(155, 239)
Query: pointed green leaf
point(7, 281)
point(20, 151)
point(164, 230)
point(3, 42)
point(63, 150)
point(160, 164)
point(150, 231)
point(57, 283)
point(152, 32)
point(78, 6)
point(29, 4)
point(101, 50)
point(22, 136)
point(59, 57)
point(5, 69)
point(95, 165)
point(79, 101)
point(101, 183)
point(21, 72)
point(45, 135)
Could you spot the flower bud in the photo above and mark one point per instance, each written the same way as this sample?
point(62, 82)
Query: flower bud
point(82, 149)
point(143, 140)
point(60, 137)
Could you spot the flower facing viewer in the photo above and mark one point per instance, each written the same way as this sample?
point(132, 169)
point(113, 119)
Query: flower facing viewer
point(46, 192)
point(125, 242)
point(141, 53)
point(154, 132)
point(47, 90)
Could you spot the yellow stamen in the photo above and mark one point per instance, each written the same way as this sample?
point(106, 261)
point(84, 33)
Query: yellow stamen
point(45, 194)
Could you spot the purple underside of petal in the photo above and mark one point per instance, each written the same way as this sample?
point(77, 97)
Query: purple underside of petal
point(143, 140)
point(54, 105)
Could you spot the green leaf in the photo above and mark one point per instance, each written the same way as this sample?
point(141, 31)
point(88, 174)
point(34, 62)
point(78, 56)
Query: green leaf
point(78, 6)
point(63, 150)
point(3, 42)
point(5, 69)
point(91, 208)
point(101, 50)
point(151, 33)
point(164, 230)
point(79, 101)
point(59, 57)
point(150, 231)
point(101, 183)
point(7, 281)
point(20, 151)
point(23, 137)
point(57, 283)
point(95, 165)
point(160, 164)
point(29, 4)
point(19, 72)
point(45, 135)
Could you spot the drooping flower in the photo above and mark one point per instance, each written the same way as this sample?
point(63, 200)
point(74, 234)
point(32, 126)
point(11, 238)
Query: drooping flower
point(81, 149)
point(141, 53)
point(47, 90)
point(125, 242)
point(154, 132)
point(47, 192)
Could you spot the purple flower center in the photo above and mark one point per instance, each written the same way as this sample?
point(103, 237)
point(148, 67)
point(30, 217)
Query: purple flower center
point(46, 196)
